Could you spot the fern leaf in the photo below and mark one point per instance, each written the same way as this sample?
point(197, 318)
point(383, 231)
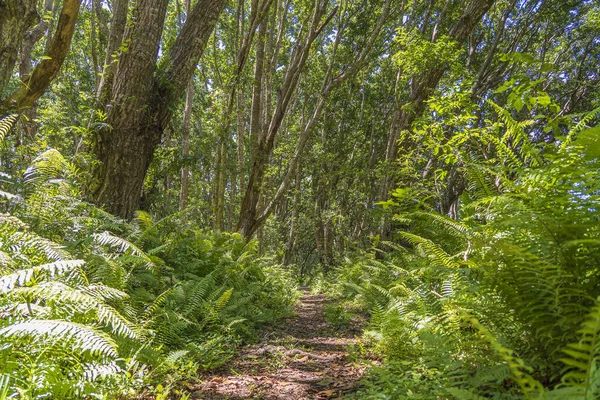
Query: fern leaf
point(92, 372)
point(124, 246)
point(59, 293)
point(68, 334)
point(24, 276)
point(430, 249)
point(530, 387)
point(580, 126)
point(6, 125)
point(583, 361)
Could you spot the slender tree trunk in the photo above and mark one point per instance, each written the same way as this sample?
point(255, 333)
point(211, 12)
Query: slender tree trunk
point(185, 146)
point(93, 40)
point(291, 243)
point(220, 192)
point(115, 40)
point(249, 220)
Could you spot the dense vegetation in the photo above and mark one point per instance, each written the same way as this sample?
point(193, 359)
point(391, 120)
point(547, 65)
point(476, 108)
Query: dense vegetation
point(171, 171)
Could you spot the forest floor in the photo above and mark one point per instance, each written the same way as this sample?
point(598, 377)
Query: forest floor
point(303, 358)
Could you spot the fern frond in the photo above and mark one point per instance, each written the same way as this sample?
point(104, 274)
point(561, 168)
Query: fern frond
point(124, 246)
point(530, 387)
point(6, 125)
point(66, 334)
point(92, 372)
point(155, 305)
point(580, 126)
point(59, 293)
point(430, 249)
point(24, 276)
point(48, 166)
point(223, 300)
point(583, 361)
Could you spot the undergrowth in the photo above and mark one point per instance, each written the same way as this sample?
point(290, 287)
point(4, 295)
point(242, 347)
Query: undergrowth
point(501, 302)
point(95, 307)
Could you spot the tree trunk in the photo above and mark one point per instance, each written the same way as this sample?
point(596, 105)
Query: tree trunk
point(424, 84)
point(142, 104)
point(47, 69)
point(126, 149)
point(291, 243)
point(16, 16)
point(220, 189)
point(31, 38)
point(115, 39)
point(250, 219)
point(185, 147)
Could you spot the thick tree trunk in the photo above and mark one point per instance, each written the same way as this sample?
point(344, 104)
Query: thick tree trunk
point(126, 149)
point(142, 104)
point(31, 38)
point(16, 16)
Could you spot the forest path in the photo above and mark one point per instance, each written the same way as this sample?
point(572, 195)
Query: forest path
point(303, 358)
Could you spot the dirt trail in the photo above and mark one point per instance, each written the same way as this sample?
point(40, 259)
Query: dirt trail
point(303, 359)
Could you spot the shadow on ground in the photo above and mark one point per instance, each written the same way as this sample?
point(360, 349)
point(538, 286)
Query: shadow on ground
point(303, 359)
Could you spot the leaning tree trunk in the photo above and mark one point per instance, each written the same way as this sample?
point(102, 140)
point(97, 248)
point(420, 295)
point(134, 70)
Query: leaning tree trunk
point(47, 69)
point(16, 17)
point(423, 86)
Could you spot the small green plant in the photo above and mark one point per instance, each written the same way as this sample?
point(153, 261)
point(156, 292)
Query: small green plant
point(338, 316)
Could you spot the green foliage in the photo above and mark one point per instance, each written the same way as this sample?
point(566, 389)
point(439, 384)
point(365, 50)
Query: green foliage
point(489, 304)
point(105, 307)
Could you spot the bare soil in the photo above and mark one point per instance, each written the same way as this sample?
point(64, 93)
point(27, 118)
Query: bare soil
point(304, 358)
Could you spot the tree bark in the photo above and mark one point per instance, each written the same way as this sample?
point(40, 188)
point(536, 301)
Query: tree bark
point(185, 146)
point(31, 38)
point(16, 16)
point(115, 40)
point(142, 104)
point(291, 243)
point(48, 68)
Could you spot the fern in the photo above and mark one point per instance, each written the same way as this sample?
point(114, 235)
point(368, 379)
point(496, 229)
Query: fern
point(124, 246)
point(583, 358)
point(24, 276)
point(530, 387)
point(63, 295)
point(70, 335)
point(94, 371)
point(6, 125)
point(579, 127)
point(430, 249)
